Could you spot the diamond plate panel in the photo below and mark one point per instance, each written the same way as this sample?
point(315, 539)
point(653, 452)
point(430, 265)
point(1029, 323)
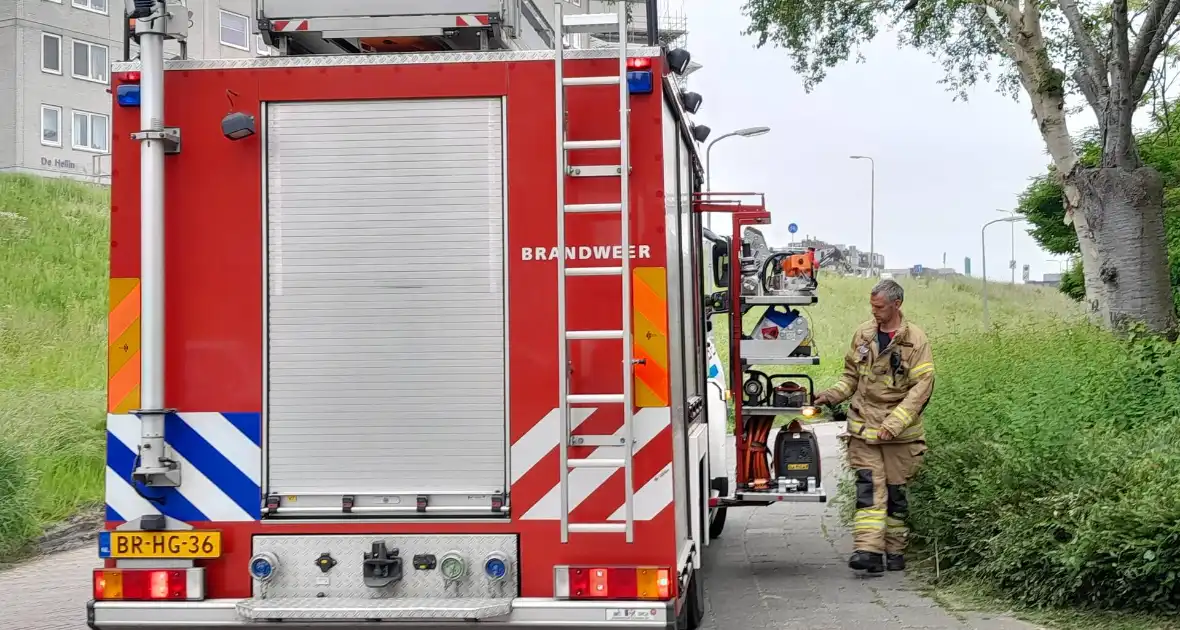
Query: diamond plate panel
point(359, 608)
point(320, 61)
point(298, 575)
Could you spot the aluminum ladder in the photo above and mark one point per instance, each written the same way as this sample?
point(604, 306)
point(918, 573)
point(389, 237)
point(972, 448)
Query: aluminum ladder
point(594, 23)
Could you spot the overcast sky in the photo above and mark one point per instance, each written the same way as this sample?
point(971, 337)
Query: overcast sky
point(944, 167)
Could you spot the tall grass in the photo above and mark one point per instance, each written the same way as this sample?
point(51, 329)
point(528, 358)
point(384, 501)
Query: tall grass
point(53, 270)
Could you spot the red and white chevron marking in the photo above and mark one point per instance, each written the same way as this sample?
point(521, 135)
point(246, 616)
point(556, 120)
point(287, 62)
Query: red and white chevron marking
point(287, 26)
point(595, 494)
point(472, 20)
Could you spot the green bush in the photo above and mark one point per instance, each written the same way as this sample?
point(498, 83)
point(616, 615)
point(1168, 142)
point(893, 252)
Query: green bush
point(1054, 468)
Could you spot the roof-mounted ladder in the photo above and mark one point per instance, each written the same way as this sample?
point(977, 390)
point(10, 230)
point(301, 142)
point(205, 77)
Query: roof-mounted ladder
point(595, 23)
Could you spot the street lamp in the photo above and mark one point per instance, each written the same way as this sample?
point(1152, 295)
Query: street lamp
point(872, 209)
point(748, 132)
point(983, 240)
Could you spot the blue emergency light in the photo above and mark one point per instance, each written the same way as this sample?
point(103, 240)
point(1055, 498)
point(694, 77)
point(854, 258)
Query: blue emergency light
point(639, 79)
point(127, 95)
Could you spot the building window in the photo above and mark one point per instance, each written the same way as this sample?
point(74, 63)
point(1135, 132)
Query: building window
point(97, 6)
point(50, 53)
point(91, 132)
point(235, 30)
point(51, 125)
point(90, 62)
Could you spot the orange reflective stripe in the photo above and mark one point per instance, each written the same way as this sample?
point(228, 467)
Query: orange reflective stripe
point(649, 330)
point(123, 337)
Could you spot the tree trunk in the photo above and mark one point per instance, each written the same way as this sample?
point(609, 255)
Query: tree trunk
point(1124, 249)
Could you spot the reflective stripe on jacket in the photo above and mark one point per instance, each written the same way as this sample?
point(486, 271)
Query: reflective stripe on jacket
point(884, 391)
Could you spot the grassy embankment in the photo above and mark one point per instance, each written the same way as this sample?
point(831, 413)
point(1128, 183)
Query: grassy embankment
point(53, 295)
point(1053, 480)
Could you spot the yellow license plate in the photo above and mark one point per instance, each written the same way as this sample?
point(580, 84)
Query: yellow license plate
point(190, 544)
point(797, 466)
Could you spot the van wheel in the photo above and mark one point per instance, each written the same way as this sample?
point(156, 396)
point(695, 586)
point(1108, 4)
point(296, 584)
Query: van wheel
point(696, 601)
point(692, 611)
point(717, 525)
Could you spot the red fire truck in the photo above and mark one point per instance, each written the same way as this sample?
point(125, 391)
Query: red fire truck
point(354, 381)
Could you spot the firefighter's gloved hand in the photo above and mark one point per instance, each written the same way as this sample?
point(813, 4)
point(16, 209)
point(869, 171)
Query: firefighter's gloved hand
point(890, 429)
point(821, 399)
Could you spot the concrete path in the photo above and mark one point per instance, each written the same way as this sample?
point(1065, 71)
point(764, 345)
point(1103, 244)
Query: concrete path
point(785, 567)
point(779, 567)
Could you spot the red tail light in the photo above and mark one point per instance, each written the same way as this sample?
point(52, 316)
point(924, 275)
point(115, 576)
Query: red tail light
point(639, 63)
point(128, 77)
point(149, 584)
point(614, 583)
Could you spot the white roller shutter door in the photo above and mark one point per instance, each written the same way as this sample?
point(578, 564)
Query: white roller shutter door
point(386, 310)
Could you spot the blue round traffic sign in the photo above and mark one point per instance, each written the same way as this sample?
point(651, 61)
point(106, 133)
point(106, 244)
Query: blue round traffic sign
point(792, 228)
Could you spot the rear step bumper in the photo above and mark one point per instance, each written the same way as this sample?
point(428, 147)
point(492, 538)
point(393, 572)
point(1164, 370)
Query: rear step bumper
point(521, 613)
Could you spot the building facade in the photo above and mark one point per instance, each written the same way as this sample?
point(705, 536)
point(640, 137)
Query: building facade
point(55, 58)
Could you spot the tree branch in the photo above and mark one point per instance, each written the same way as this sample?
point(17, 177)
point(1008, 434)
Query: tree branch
point(1095, 72)
point(1004, 8)
point(1153, 38)
point(993, 31)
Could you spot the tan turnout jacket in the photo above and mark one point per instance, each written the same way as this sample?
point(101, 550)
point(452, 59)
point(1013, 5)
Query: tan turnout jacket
point(886, 392)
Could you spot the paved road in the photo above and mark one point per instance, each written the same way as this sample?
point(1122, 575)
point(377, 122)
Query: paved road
point(779, 567)
point(785, 567)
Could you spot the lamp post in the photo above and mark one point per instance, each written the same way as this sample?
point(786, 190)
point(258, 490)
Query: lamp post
point(983, 259)
point(872, 210)
point(748, 132)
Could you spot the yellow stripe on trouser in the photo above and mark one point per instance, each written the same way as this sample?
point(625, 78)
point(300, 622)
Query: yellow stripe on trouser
point(650, 331)
point(896, 534)
point(869, 519)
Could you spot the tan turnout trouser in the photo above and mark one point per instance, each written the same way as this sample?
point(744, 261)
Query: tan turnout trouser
point(881, 472)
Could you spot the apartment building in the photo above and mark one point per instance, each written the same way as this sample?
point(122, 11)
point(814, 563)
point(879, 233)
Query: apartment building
point(55, 58)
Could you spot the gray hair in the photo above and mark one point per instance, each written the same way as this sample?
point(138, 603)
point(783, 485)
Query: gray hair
point(890, 289)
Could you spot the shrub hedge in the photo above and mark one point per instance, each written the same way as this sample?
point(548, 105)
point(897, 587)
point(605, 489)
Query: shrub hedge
point(1054, 467)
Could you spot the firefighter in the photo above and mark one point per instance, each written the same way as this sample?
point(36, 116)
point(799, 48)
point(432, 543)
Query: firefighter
point(888, 378)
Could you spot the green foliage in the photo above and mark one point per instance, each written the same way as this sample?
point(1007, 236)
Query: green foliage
point(1054, 472)
point(1073, 282)
point(821, 34)
point(1043, 206)
point(53, 297)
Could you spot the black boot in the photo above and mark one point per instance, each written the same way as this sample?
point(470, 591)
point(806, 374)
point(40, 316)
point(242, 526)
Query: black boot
point(894, 562)
point(867, 561)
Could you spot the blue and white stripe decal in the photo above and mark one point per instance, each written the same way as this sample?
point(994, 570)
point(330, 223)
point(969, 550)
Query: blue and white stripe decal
point(220, 456)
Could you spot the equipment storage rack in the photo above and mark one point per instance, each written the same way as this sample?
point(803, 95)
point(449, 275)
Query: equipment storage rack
point(749, 209)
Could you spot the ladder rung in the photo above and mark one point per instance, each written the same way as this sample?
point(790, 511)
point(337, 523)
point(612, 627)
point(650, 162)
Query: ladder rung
point(594, 334)
point(601, 170)
point(591, 23)
point(598, 528)
point(597, 440)
point(580, 208)
point(593, 271)
point(576, 81)
point(573, 145)
point(601, 399)
point(596, 463)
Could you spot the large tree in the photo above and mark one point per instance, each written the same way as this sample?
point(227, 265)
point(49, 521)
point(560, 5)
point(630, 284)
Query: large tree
point(1105, 51)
